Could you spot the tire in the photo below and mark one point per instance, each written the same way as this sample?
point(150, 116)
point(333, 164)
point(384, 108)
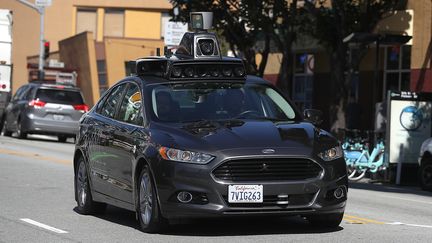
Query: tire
point(20, 133)
point(332, 220)
point(62, 138)
point(149, 215)
point(85, 203)
point(425, 175)
point(6, 132)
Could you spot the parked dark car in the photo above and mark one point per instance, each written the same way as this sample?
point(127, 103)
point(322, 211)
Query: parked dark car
point(50, 109)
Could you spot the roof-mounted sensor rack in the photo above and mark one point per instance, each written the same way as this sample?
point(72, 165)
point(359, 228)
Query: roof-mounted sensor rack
point(197, 57)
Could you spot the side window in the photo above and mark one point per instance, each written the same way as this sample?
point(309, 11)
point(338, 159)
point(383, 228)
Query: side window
point(19, 93)
point(110, 104)
point(131, 106)
point(29, 94)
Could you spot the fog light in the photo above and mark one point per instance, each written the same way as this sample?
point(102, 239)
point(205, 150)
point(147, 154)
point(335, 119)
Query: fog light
point(184, 197)
point(339, 193)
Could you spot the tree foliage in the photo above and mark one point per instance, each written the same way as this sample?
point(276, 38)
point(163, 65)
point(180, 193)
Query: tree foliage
point(330, 21)
point(251, 27)
point(242, 24)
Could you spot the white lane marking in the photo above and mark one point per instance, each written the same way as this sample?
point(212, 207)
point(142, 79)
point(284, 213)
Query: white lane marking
point(44, 226)
point(406, 199)
point(414, 225)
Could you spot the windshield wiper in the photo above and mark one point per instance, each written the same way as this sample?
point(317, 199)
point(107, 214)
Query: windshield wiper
point(270, 119)
point(200, 123)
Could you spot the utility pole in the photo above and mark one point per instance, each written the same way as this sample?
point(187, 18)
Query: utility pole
point(39, 6)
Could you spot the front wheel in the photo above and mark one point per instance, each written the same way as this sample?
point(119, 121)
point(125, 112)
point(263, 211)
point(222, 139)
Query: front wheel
point(6, 132)
point(150, 218)
point(20, 133)
point(332, 220)
point(85, 203)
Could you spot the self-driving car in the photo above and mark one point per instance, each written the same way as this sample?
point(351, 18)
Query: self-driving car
point(190, 135)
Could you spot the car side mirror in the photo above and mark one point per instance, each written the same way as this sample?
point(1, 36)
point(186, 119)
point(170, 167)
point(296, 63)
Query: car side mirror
point(313, 116)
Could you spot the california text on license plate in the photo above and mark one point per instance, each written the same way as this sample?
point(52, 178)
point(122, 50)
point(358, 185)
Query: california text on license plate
point(245, 193)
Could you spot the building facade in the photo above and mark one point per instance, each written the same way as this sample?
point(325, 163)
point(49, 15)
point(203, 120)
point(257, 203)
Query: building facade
point(402, 67)
point(117, 30)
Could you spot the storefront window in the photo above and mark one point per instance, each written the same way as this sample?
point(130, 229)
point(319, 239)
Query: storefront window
point(303, 80)
point(397, 68)
point(103, 84)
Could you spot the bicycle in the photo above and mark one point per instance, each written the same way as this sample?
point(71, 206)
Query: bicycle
point(358, 159)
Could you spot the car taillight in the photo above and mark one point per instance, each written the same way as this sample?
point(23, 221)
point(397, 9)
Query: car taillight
point(36, 103)
point(81, 108)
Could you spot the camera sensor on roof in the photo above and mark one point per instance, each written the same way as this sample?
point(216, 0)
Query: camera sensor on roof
point(206, 46)
point(201, 20)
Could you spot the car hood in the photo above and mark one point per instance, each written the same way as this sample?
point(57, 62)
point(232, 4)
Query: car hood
point(242, 136)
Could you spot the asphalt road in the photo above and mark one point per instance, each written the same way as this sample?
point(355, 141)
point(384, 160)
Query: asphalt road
point(36, 187)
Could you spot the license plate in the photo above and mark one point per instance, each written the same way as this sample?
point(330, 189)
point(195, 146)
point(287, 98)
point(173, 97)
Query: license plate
point(58, 117)
point(245, 193)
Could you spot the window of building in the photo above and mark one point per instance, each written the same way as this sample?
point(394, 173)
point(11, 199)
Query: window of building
point(303, 80)
point(102, 75)
point(397, 65)
point(86, 20)
point(114, 23)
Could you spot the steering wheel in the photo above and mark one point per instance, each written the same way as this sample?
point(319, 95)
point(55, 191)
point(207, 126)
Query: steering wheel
point(247, 113)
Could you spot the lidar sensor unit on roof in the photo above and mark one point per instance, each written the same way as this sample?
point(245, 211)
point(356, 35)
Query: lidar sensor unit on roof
point(200, 44)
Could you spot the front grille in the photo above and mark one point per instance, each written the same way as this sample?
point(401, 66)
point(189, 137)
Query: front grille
point(272, 200)
point(275, 169)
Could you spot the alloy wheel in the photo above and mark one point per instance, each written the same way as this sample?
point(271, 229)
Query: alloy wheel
point(146, 198)
point(82, 182)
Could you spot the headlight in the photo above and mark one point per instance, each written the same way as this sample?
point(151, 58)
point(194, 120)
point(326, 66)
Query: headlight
point(184, 156)
point(331, 154)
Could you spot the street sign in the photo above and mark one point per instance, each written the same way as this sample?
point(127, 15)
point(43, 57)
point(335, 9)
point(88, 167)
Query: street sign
point(174, 32)
point(43, 3)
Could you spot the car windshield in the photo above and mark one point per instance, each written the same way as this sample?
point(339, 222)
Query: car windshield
point(202, 101)
point(58, 96)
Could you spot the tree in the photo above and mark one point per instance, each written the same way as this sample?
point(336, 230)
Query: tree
point(286, 22)
point(241, 23)
point(332, 21)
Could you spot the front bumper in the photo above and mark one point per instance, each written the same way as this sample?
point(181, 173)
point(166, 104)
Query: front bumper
point(312, 196)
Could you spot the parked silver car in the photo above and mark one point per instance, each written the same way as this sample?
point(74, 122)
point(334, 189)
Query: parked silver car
point(38, 108)
point(425, 162)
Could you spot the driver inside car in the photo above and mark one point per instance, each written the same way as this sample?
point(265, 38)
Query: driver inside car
point(167, 108)
point(234, 103)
